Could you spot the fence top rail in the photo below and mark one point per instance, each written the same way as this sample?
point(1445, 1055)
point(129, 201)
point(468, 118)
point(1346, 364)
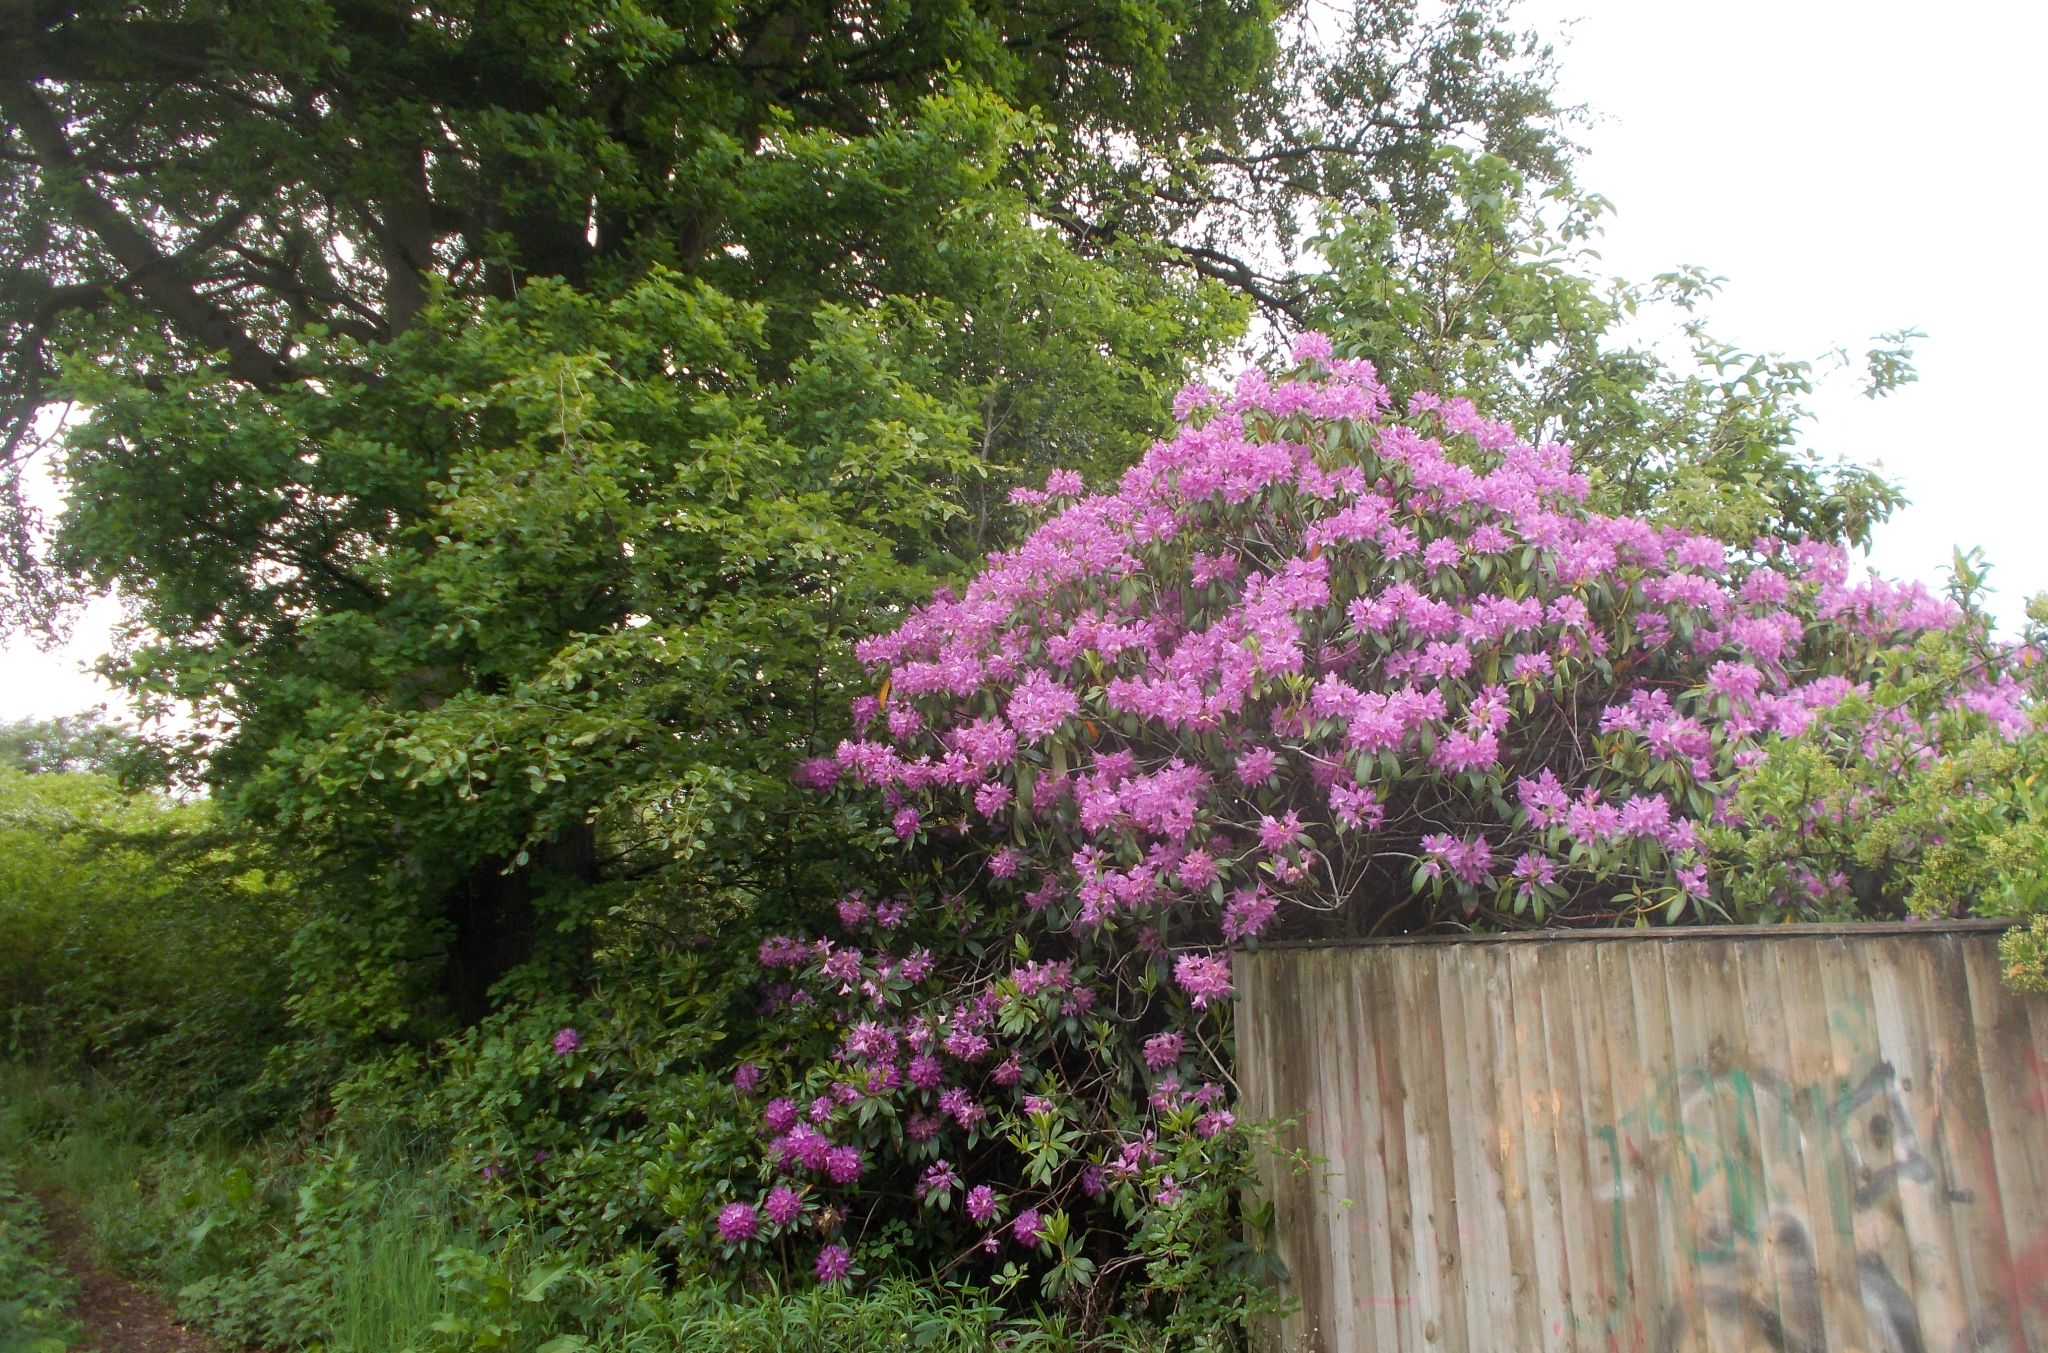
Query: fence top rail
point(1975, 925)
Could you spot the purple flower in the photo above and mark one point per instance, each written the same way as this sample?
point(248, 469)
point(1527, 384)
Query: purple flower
point(738, 1222)
point(1355, 806)
point(780, 1115)
point(1029, 1227)
point(567, 1041)
point(1247, 912)
point(784, 1205)
point(819, 772)
point(1312, 347)
point(925, 1072)
point(1276, 833)
point(1470, 859)
point(843, 1164)
point(1039, 705)
point(981, 1204)
point(1204, 977)
point(939, 1178)
point(834, 1263)
point(1257, 766)
point(1163, 1050)
point(962, 1108)
point(745, 1077)
point(992, 798)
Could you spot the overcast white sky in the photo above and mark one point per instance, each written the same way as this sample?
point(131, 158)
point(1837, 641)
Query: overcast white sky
point(1850, 168)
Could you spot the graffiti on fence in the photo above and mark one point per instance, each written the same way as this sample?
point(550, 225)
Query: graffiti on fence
point(1763, 1195)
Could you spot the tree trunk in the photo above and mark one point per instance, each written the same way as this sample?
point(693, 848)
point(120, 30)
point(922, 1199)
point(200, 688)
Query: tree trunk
point(496, 923)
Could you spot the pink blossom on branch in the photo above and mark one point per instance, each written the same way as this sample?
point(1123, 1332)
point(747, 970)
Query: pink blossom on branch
point(1204, 977)
point(1304, 657)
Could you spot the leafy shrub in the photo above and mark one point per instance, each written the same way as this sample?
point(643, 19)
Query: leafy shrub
point(1939, 819)
point(34, 1293)
point(1308, 671)
point(569, 1114)
point(136, 934)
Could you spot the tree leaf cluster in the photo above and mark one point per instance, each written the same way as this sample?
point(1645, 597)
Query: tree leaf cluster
point(503, 416)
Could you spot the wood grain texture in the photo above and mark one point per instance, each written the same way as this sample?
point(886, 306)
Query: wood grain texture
point(1810, 1141)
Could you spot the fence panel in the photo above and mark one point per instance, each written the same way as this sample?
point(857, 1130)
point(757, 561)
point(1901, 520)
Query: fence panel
point(1801, 1138)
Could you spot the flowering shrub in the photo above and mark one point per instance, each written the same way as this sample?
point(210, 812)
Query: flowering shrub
point(1310, 669)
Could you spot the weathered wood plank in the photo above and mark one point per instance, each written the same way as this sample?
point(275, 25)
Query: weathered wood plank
point(1567, 1192)
point(1432, 1270)
point(1508, 1246)
point(1542, 1239)
point(1614, 1035)
point(1604, 1306)
point(1909, 1193)
point(1807, 1141)
point(1956, 1138)
point(2016, 1102)
point(1473, 1290)
point(1781, 1246)
point(1658, 1123)
point(1365, 1152)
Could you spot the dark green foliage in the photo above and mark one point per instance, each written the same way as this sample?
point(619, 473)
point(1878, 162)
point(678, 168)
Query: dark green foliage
point(585, 646)
point(502, 418)
point(136, 934)
point(34, 1292)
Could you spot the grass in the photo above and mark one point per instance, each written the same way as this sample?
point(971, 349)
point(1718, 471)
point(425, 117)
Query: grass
point(230, 1227)
point(387, 1287)
point(362, 1246)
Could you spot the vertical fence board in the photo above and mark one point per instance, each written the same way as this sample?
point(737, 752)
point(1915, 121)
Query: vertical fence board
point(2010, 1051)
point(1656, 1147)
point(1917, 1203)
point(1956, 1128)
point(1543, 1237)
point(1504, 1243)
point(1585, 1241)
point(1466, 1302)
point(1423, 1108)
point(1787, 1277)
point(1802, 1139)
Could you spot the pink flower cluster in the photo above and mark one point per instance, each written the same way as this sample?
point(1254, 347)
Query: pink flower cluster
point(1304, 658)
point(1302, 642)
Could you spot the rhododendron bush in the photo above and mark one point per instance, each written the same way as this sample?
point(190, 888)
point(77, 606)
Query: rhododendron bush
point(1315, 667)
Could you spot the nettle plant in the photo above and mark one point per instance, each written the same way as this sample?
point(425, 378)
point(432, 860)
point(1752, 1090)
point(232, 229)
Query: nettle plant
point(1310, 670)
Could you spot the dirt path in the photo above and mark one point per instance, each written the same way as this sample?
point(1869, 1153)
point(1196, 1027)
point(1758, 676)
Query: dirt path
point(118, 1315)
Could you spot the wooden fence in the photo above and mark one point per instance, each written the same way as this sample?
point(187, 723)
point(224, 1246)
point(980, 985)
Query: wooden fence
point(1798, 1138)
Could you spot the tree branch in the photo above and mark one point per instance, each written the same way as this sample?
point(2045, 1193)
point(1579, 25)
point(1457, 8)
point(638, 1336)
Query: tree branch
point(158, 277)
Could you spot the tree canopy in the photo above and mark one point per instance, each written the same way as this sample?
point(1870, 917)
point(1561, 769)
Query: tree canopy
point(501, 415)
